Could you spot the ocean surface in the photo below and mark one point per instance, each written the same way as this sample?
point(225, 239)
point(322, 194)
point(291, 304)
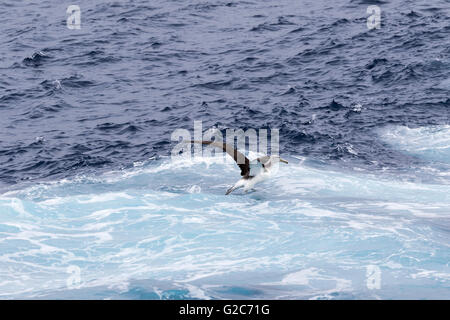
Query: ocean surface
point(93, 206)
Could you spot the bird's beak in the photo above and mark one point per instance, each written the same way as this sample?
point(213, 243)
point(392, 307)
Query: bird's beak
point(284, 161)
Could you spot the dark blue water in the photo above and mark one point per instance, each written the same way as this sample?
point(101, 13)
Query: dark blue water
point(77, 105)
point(111, 93)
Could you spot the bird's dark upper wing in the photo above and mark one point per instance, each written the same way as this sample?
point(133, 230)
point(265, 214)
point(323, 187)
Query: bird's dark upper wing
point(241, 160)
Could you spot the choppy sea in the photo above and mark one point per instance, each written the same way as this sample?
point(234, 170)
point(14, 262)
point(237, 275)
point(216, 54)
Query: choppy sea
point(92, 205)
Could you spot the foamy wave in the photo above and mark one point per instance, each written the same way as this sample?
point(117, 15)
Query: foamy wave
point(170, 221)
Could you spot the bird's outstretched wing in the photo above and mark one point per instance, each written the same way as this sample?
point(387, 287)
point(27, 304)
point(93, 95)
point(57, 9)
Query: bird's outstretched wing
point(241, 160)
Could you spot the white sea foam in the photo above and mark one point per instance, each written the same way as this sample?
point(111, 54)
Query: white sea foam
point(310, 227)
point(432, 142)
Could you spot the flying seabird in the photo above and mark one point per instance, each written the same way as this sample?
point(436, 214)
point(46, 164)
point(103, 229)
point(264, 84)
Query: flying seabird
point(252, 172)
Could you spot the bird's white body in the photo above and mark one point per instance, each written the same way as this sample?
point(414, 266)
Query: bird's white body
point(260, 171)
point(248, 184)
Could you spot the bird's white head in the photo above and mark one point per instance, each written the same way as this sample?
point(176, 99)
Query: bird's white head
point(272, 165)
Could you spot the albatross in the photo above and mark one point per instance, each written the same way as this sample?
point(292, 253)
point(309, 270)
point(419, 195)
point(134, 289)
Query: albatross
point(252, 172)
